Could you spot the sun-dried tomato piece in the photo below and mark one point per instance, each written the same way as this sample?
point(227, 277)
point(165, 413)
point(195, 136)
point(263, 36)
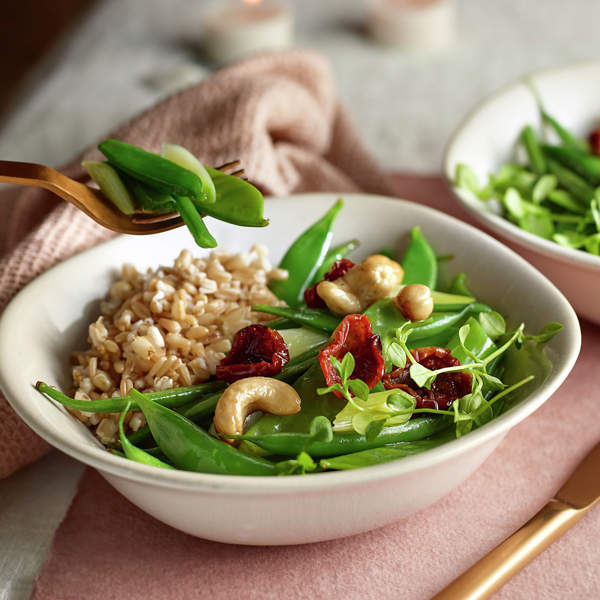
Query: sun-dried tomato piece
point(594, 140)
point(446, 387)
point(256, 350)
point(338, 269)
point(354, 334)
point(312, 299)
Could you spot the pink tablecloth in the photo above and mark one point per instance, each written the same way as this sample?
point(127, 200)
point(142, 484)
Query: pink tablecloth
point(106, 548)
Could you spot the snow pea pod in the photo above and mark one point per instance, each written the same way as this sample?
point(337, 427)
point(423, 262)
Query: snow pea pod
point(152, 169)
point(333, 256)
point(419, 262)
point(237, 201)
point(304, 257)
point(292, 443)
point(313, 317)
point(191, 448)
point(377, 456)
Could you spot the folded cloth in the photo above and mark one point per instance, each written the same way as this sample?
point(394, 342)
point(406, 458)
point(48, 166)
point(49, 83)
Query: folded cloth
point(277, 113)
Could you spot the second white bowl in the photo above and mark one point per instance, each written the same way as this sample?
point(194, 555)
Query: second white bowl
point(486, 139)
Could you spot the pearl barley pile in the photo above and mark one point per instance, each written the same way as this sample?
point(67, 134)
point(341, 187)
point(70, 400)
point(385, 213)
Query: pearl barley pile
point(169, 328)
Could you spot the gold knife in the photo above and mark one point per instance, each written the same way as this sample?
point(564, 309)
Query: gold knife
point(571, 502)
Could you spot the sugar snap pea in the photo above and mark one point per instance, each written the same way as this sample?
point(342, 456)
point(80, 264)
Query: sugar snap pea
point(172, 398)
point(191, 448)
point(377, 456)
point(304, 257)
point(137, 454)
point(195, 223)
point(313, 317)
point(291, 444)
point(384, 316)
point(152, 169)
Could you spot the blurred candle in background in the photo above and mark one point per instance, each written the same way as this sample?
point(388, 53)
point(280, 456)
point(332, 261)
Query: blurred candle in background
point(235, 29)
point(413, 24)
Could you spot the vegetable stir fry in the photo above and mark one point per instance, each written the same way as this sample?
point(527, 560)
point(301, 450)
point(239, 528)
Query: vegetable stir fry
point(369, 362)
point(138, 181)
point(554, 192)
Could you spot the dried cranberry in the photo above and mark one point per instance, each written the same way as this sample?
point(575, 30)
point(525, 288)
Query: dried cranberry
point(594, 140)
point(338, 269)
point(446, 387)
point(354, 334)
point(256, 350)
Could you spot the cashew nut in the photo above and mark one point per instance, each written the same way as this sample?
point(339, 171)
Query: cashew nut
point(250, 394)
point(375, 277)
point(415, 302)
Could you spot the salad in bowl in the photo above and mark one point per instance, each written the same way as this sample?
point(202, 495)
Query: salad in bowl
point(401, 398)
point(364, 363)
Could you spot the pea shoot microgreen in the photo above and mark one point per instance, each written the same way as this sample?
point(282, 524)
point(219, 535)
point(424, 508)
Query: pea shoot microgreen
point(300, 465)
point(349, 388)
point(320, 430)
point(368, 413)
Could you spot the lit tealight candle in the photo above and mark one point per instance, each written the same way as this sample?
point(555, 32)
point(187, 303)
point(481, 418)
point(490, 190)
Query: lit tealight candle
point(236, 29)
point(413, 24)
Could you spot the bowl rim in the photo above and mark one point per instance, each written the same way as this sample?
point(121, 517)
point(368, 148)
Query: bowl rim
point(497, 223)
point(112, 465)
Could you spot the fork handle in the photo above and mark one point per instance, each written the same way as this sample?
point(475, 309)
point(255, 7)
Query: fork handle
point(25, 173)
point(496, 568)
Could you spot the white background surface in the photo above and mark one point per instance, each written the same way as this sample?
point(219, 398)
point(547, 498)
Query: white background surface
point(405, 104)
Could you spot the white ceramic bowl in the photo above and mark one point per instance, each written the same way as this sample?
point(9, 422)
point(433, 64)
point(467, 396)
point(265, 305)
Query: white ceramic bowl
point(50, 316)
point(486, 139)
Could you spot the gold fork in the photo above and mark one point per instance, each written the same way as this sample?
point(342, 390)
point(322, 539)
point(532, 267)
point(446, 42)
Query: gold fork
point(91, 201)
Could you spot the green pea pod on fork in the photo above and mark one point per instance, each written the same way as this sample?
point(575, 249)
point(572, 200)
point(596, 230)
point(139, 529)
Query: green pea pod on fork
point(136, 180)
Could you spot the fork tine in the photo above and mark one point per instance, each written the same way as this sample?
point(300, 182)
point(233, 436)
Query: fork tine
point(229, 165)
point(237, 173)
point(142, 218)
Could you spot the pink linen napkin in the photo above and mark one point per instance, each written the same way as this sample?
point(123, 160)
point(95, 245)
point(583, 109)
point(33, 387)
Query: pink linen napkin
point(108, 549)
point(277, 113)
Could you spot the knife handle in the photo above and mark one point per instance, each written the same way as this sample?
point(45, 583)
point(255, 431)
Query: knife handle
point(496, 568)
